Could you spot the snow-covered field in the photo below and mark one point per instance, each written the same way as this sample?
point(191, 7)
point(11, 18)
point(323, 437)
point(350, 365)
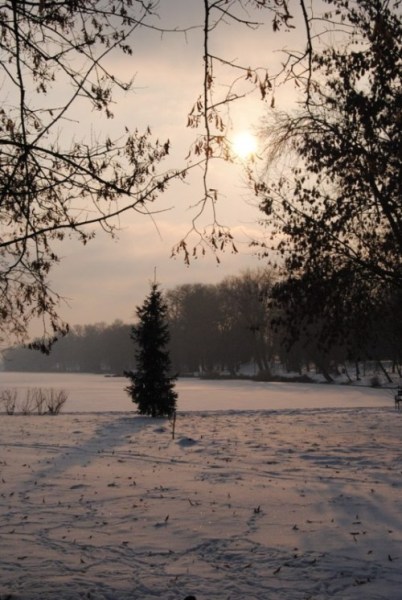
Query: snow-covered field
point(96, 393)
point(268, 492)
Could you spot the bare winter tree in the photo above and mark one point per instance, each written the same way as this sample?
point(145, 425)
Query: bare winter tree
point(210, 114)
point(54, 180)
point(53, 59)
point(335, 215)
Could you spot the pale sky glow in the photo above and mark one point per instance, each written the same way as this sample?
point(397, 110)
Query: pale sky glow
point(107, 278)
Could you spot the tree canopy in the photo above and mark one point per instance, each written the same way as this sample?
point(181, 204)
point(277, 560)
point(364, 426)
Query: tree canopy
point(58, 179)
point(335, 215)
point(53, 182)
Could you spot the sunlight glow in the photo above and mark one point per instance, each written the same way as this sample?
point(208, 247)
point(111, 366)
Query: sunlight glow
point(244, 144)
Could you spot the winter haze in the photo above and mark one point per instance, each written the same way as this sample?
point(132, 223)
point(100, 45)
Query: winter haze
point(106, 279)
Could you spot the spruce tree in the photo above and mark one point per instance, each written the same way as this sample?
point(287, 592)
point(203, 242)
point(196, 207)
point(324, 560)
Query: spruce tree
point(152, 386)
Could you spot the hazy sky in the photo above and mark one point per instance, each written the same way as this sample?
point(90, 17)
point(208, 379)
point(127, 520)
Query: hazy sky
point(106, 279)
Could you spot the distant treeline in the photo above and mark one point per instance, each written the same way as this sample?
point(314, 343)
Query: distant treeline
point(86, 348)
point(216, 329)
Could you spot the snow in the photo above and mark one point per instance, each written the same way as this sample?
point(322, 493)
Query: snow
point(95, 393)
point(268, 491)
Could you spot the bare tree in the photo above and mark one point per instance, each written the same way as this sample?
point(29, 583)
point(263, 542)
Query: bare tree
point(211, 112)
point(246, 299)
point(335, 215)
point(57, 182)
point(52, 183)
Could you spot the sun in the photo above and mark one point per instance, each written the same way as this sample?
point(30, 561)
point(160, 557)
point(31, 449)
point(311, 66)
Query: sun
point(244, 144)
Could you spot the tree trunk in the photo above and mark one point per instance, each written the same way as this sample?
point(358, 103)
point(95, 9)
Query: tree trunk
point(384, 370)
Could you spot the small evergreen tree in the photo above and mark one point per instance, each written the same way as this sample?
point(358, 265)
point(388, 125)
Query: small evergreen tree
point(152, 386)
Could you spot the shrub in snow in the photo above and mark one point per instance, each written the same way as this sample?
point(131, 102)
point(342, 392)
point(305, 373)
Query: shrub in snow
point(27, 406)
point(8, 397)
point(36, 399)
point(55, 401)
point(39, 399)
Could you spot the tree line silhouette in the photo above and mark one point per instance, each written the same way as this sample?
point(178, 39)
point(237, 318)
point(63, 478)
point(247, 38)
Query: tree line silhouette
point(216, 329)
